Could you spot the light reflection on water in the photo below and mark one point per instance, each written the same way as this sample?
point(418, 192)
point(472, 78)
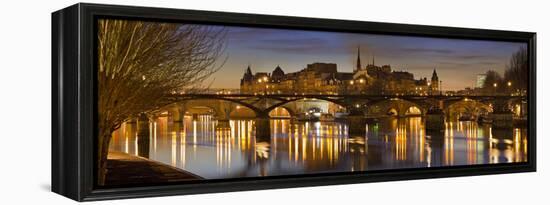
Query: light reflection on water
point(314, 147)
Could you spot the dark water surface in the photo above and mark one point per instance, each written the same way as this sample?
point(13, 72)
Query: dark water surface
point(316, 147)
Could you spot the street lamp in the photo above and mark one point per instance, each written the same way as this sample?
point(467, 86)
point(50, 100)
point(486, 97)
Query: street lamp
point(266, 84)
point(495, 86)
point(264, 80)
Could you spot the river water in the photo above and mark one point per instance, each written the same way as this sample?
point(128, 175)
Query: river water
point(198, 146)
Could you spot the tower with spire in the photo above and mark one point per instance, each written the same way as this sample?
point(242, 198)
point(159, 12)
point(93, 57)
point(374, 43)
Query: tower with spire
point(247, 77)
point(358, 66)
point(434, 83)
point(278, 74)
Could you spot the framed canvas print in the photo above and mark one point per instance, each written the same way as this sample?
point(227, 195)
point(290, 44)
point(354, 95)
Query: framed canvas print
point(153, 101)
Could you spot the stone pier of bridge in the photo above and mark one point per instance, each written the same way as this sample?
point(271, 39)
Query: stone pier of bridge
point(503, 117)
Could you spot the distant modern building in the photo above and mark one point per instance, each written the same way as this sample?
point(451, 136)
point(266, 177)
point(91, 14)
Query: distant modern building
point(324, 78)
point(480, 80)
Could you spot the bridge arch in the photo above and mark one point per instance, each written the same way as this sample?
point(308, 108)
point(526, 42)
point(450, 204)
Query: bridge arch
point(467, 108)
point(413, 110)
point(281, 111)
point(176, 112)
point(392, 112)
point(395, 107)
point(242, 112)
point(202, 110)
point(293, 110)
point(221, 108)
point(226, 100)
point(199, 107)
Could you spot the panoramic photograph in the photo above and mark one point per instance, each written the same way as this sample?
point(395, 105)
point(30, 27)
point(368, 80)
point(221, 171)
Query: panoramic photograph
point(186, 103)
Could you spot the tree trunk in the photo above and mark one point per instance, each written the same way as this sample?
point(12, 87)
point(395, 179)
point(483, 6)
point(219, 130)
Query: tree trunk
point(103, 150)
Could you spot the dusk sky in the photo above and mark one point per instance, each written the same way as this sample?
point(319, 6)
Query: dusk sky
point(457, 62)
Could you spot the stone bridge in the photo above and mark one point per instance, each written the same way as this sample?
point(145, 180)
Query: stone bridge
point(370, 105)
point(358, 107)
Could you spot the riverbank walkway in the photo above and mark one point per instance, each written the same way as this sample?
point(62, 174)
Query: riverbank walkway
point(125, 169)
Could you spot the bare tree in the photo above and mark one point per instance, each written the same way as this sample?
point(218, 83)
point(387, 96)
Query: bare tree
point(141, 63)
point(492, 78)
point(517, 70)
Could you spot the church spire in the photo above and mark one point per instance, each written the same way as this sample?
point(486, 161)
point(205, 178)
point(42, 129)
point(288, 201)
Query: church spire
point(358, 59)
point(373, 59)
point(436, 84)
point(434, 75)
point(248, 70)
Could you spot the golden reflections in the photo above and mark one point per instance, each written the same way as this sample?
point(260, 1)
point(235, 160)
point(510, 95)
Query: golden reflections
point(173, 149)
point(400, 143)
point(183, 140)
point(469, 130)
point(449, 143)
point(198, 145)
point(155, 137)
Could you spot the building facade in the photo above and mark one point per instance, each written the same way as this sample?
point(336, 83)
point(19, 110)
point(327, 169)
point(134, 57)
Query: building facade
point(480, 80)
point(324, 78)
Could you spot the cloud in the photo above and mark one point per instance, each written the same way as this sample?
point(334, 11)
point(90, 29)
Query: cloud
point(301, 45)
point(428, 50)
point(248, 33)
point(471, 57)
point(452, 63)
point(295, 41)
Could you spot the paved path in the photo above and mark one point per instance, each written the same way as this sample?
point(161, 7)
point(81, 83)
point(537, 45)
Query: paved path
point(125, 169)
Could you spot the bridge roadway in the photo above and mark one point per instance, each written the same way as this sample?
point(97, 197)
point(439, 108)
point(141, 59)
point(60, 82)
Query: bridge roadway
point(357, 105)
point(263, 104)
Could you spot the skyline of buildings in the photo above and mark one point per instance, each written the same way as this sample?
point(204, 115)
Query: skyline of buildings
point(324, 78)
point(458, 61)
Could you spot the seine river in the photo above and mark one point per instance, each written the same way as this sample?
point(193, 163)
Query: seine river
point(296, 147)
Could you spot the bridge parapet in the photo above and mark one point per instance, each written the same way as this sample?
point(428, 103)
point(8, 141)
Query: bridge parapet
point(261, 105)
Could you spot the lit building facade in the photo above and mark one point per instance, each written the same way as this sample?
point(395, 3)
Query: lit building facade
point(324, 78)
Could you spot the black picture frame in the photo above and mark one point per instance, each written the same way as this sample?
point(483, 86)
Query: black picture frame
point(74, 93)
